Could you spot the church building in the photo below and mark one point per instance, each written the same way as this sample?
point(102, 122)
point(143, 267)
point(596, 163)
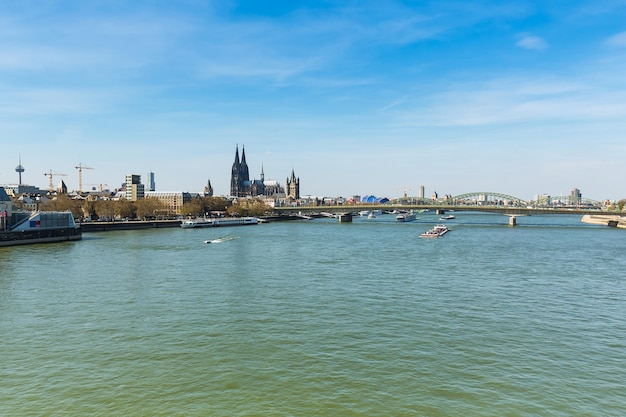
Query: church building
point(241, 186)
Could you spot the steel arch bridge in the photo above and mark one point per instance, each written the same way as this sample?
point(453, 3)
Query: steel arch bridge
point(490, 196)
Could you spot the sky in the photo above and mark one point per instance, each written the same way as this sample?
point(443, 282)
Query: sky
point(362, 97)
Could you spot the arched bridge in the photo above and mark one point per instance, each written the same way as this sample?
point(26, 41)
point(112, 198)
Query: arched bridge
point(488, 196)
point(485, 201)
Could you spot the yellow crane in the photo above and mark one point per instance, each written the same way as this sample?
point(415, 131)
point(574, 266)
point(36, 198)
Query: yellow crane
point(53, 174)
point(80, 168)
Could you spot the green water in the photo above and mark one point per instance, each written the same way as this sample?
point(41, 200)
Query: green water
point(319, 318)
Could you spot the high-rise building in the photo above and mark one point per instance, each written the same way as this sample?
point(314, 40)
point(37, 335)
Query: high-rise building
point(134, 187)
point(151, 184)
point(575, 196)
point(421, 192)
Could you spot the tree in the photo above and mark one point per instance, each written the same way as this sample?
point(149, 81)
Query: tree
point(215, 204)
point(150, 208)
point(63, 203)
point(125, 208)
point(202, 205)
point(248, 207)
point(104, 208)
point(621, 203)
point(193, 208)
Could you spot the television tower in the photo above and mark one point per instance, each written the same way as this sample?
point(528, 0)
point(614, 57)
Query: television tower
point(19, 169)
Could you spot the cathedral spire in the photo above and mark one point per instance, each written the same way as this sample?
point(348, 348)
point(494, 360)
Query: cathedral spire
point(236, 155)
point(245, 174)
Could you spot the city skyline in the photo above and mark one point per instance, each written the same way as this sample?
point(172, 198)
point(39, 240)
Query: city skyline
point(359, 98)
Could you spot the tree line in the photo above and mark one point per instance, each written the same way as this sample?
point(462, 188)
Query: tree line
point(153, 208)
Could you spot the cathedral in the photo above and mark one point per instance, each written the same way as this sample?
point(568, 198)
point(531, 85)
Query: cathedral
point(241, 186)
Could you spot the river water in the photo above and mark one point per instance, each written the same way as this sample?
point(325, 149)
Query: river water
point(317, 318)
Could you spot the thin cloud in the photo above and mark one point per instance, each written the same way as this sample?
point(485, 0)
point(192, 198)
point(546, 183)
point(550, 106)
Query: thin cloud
point(530, 42)
point(617, 40)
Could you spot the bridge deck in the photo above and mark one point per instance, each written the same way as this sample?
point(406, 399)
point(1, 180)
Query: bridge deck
point(505, 210)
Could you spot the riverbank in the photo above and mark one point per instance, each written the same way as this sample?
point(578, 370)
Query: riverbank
point(128, 225)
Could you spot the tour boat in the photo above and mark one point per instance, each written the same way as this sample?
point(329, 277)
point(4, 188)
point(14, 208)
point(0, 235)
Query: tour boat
point(405, 217)
point(436, 231)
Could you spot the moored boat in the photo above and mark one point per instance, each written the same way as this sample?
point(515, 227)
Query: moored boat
point(405, 217)
point(223, 221)
point(42, 227)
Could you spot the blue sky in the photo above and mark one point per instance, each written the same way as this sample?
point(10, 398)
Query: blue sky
point(357, 97)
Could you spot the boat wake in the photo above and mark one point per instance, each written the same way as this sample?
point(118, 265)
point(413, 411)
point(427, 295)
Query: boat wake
point(220, 239)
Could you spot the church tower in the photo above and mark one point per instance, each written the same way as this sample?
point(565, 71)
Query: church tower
point(245, 175)
point(208, 189)
point(293, 186)
point(234, 176)
point(240, 177)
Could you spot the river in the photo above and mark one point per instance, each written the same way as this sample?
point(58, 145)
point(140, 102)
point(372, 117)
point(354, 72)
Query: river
point(318, 318)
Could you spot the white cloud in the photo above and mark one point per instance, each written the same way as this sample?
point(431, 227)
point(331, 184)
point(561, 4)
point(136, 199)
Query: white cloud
point(531, 42)
point(618, 40)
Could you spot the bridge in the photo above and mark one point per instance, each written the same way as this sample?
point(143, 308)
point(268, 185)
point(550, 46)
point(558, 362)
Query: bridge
point(489, 202)
point(442, 208)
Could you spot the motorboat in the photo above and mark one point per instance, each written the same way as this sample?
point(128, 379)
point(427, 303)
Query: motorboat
point(448, 217)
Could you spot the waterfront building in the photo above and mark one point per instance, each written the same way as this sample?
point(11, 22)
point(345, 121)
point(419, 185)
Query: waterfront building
point(172, 200)
point(6, 209)
point(134, 189)
point(575, 196)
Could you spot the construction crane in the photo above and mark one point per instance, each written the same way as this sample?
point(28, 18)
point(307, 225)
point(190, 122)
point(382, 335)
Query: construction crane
point(53, 174)
point(80, 168)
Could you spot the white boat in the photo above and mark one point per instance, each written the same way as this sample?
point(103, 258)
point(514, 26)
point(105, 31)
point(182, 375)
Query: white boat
point(448, 217)
point(224, 221)
point(198, 222)
point(435, 232)
point(405, 217)
point(371, 215)
point(364, 213)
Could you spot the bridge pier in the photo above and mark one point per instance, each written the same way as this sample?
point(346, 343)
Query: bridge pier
point(345, 217)
point(512, 221)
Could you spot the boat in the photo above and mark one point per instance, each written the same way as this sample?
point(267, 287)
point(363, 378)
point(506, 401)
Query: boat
point(42, 227)
point(448, 217)
point(220, 239)
point(217, 222)
point(198, 222)
point(437, 231)
point(371, 215)
point(405, 217)
point(364, 213)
